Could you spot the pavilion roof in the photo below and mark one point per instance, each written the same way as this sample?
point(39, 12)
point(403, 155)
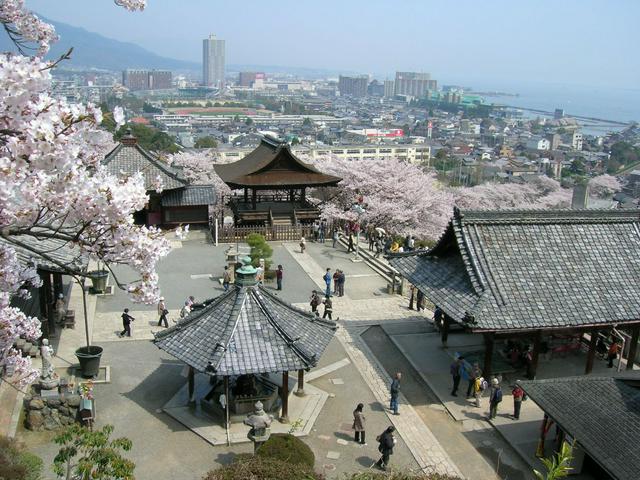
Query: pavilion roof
point(49, 254)
point(510, 270)
point(273, 165)
point(130, 158)
point(247, 330)
point(601, 413)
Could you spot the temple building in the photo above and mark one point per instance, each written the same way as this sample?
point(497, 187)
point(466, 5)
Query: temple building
point(274, 183)
point(246, 341)
point(535, 276)
point(179, 201)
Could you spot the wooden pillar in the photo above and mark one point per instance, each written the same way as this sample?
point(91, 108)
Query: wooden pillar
point(543, 433)
point(303, 194)
point(246, 195)
point(489, 340)
point(292, 195)
point(444, 333)
point(226, 403)
point(253, 198)
point(57, 285)
point(535, 354)
point(633, 347)
point(192, 384)
point(43, 306)
point(300, 391)
point(50, 310)
point(284, 416)
point(591, 354)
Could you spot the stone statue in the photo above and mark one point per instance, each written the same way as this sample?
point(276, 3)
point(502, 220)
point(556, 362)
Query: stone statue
point(259, 421)
point(46, 352)
point(47, 378)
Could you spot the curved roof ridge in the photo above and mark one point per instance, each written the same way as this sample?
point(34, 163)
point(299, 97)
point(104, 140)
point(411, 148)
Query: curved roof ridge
point(522, 216)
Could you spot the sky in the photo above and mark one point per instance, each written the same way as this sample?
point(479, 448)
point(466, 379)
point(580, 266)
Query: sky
point(491, 43)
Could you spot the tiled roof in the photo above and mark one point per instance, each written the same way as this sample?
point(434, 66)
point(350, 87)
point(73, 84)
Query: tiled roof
point(601, 413)
point(247, 330)
point(190, 195)
point(54, 254)
point(533, 269)
point(272, 164)
point(132, 158)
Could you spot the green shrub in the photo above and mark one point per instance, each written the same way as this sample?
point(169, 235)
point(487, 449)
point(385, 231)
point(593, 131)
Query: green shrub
point(16, 463)
point(259, 249)
point(290, 449)
point(262, 468)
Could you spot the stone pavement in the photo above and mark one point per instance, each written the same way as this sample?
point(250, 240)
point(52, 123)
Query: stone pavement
point(355, 315)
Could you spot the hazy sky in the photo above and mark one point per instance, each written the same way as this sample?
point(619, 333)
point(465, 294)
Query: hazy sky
point(491, 42)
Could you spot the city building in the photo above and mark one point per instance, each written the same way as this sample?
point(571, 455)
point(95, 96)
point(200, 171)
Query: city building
point(538, 144)
point(376, 89)
point(249, 79)
point(414, 84)
point(146, 79)
point(355, 86)
point(213, 51)
point(389, 86)
point(576, 141)
point(420, 153)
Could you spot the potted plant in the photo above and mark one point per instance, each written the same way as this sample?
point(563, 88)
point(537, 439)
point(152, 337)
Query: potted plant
point(99, 279)
point(89, 355)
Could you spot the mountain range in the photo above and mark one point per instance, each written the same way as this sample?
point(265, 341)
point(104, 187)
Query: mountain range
point(95, 51)
point(91, 50)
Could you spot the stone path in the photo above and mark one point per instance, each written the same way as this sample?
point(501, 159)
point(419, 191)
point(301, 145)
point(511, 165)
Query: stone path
point(355, 315)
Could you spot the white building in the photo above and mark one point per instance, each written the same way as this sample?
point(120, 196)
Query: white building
point(576, 141)
point(213, 62)
point(538, 144)
point(410, 153)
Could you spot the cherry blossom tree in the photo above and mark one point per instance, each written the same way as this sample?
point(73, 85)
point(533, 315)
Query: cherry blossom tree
point(198, 168)
point(403, 198)
point(604, 186)
point(543, 192)
point(52, 185)
point(397, 196)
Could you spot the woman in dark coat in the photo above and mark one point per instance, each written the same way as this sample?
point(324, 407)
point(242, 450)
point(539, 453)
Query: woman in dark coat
point(386, 443)
point(358, 424)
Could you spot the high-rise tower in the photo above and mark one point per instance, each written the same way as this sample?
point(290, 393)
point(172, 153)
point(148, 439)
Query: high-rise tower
point(213, 62)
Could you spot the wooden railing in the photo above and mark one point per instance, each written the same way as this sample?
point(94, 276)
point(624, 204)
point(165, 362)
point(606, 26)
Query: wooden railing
point(232, 234)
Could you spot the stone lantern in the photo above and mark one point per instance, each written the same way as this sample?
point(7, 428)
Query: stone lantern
point(260, 423)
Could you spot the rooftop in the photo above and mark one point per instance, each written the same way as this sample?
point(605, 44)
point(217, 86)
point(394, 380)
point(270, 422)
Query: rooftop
point(601, 413)
point(532, 269)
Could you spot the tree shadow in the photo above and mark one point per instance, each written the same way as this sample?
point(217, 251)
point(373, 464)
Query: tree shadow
point(343, 436)
point(376, 407)
point(226, 458)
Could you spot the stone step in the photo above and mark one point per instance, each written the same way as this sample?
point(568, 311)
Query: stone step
point(20, 343)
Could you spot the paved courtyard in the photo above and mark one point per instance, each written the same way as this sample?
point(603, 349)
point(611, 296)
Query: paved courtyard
point(377, 336)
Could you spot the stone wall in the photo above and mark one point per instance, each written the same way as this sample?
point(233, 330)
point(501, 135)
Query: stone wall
point(50, 412)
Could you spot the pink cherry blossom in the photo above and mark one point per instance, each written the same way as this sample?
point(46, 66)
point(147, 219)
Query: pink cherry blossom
point(604, 186)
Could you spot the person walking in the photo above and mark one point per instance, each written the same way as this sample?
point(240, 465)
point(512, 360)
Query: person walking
point(327, 280)
point(336, 276)
point(358, 424)
point(316, 231)
point(321, 233)
point(162, 311)
point(386, 442)
point(518, 396)
point(185, 310)
point(419, 300)
point(303, 245)
point(379, 248)
point(394, 390)
point(328, 308)
point(372, 238)
point(314, 301)
point(279, 277)
point(474, 373)
point(335, 236)
point(494, 398)
point(479, 387)
point(612, 354)
point(341, 280)
point(226, 278)
point(412, 294)
point(351, 248)
point(412, 244)
point(437, 317)
point(456, 373)
point(126, 323)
